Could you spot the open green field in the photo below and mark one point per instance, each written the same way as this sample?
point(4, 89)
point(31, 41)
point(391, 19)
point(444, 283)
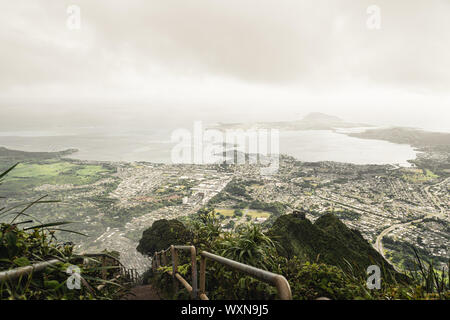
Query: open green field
point(54, 172)
point(418, 176)
point(256, 213)
point(225, 212)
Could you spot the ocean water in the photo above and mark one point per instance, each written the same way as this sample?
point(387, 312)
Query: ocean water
point(156, 146)
point(321, 145)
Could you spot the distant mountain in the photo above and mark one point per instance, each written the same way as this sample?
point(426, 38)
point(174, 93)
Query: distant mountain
point(328, 240)
point(412, 136)
point(17, 155)
point(312, 121)
point(321, 121)
point(321, 117)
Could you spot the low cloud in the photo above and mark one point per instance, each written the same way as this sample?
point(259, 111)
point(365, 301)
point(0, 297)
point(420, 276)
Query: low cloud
point(210, 53)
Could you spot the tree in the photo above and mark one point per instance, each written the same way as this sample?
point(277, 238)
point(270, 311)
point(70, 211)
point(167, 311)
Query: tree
point(238, 213)
point(162, 234)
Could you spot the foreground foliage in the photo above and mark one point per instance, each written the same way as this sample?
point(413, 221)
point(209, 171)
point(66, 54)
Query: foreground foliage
point(22, 246)
point(309, 278)
point(19, 248)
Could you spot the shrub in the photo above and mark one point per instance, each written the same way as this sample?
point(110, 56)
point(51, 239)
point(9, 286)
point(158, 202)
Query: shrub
point(310, 281)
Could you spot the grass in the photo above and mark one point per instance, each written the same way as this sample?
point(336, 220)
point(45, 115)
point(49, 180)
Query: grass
point(51, 172)
point(249, 212)
point(418, 176)
point(225, 212)
point(38, 170)
point(256, 213)
point(431, 175)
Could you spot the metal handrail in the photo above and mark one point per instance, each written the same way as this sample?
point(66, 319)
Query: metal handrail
point(156, 263)
point(37, 267)
point(18, 272)
point(278, 281)
point(131, 274)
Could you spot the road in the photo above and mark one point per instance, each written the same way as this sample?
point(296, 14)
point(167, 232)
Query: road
point(379, 244)
point(427, 190)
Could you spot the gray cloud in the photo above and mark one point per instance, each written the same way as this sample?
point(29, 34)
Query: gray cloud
point(202, 52)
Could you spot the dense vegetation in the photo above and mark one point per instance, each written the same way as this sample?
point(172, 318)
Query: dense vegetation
point(27, 242)
point(325, 259)
point(20, 248)
point(328, 240)
point(161, 235)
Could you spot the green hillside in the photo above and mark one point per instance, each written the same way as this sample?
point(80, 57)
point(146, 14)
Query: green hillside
point(321, 259)
point(328, 240)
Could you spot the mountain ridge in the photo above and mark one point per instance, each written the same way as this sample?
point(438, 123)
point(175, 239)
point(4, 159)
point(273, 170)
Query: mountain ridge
point(312, 121)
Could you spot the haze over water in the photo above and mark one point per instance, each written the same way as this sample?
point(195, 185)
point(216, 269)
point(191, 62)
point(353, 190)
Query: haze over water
point(156, 146)
point(116, 90)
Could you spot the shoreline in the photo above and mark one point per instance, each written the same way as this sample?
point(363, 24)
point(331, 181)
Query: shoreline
point(65, 155)
point(365, 133)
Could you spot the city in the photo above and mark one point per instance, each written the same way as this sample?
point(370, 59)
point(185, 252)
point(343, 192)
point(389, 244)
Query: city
point(381, 201)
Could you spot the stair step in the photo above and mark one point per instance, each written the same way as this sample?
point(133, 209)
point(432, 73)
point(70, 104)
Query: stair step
point(146, 292)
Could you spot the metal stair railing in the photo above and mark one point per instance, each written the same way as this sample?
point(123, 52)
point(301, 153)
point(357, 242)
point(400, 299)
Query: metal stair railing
point(159, 259)
point(162, 255)
point(22, 271)
point(130, 274)
point(276, 280)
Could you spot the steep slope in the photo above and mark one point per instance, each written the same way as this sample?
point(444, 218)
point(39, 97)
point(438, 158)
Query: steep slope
point(328, 240)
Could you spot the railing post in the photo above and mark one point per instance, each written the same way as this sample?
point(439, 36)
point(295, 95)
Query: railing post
point(194, 273)
point(283, 288)
point(280, 282)
point(164, 258)
point(158, 261)
point(202, 290)
point(154, 263)
point(174, 254)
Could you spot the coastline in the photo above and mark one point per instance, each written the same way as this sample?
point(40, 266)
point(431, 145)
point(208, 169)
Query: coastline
point(329, 147)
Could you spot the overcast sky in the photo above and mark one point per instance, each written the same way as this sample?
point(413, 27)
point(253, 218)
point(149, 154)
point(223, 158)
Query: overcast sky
point(233, 60)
